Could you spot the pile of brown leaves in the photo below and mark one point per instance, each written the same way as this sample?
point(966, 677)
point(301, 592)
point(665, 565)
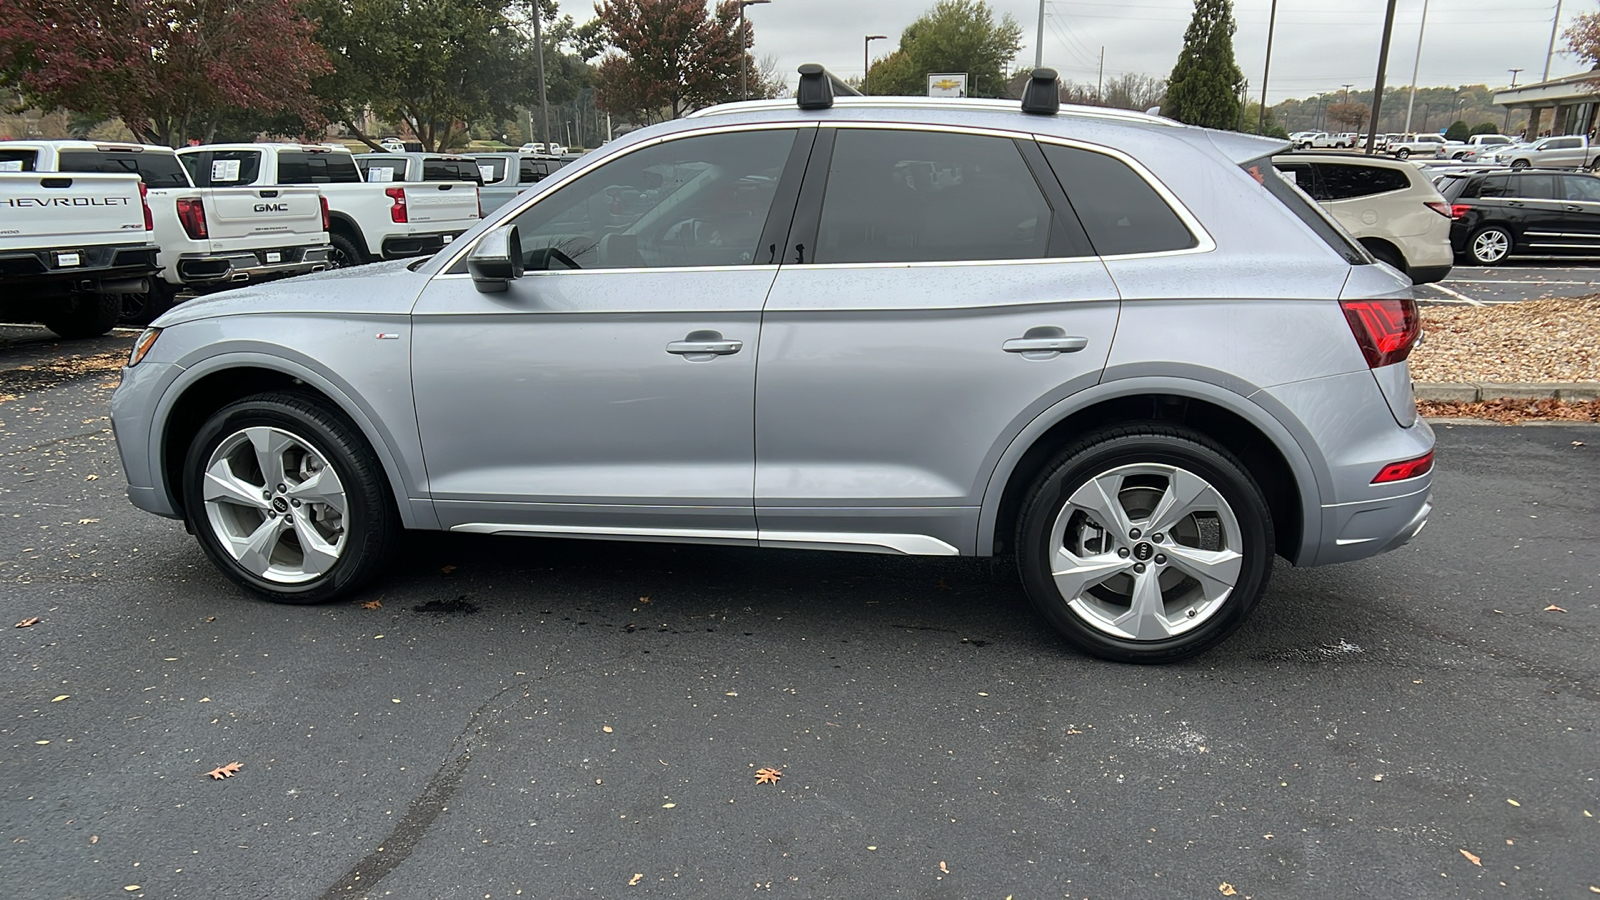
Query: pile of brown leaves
point(1513, 411)
point(1532, 340)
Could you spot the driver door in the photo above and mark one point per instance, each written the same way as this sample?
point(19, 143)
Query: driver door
point(610, 391)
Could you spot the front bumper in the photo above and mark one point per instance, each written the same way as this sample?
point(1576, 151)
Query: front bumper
point(210, 269)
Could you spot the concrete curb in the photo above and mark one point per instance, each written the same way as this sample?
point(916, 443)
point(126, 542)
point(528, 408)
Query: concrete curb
point(1472, 392)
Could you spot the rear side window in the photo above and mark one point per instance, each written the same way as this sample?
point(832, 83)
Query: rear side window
point(532, 171)
point(436, 169)
point(1344, 182)
point(300, 167)
point(1495, 186)
point(157, 170)
point(1120, 210)
point(1307, 211)
point(18, 160)
point(1456, 187)
point(1533, 187)
point(1582, 188)
point(492, 168)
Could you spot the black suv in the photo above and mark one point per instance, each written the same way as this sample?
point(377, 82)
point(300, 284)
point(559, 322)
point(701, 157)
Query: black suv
point(1500, 214)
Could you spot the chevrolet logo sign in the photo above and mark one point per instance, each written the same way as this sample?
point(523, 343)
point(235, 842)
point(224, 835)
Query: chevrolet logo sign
point(947, 84)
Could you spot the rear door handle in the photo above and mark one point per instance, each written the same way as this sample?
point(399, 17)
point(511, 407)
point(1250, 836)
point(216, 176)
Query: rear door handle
point(1570, 208)
point(1035, 345)
point(704, 343)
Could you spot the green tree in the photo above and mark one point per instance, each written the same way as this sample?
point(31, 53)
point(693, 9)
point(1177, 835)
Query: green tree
point(1458, 131)
point(1486, 128)
point(953, 36)
point(1203, 88)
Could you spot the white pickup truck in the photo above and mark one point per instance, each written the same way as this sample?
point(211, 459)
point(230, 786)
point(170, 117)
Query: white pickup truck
point(70, 245)
point(210, 237)
point(366, 222)
point(1565, 151)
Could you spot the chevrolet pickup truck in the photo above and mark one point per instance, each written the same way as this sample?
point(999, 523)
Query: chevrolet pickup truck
point(210, 237)
point(366, 222)
point(70, 245)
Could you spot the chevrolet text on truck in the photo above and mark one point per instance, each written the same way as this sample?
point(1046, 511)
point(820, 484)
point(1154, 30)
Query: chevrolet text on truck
point(366, 222)
point(210, 237)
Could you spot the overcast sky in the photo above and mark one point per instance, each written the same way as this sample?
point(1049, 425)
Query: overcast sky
point(1319, 45)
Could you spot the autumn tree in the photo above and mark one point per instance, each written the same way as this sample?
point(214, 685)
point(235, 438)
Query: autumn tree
point(1583, 39)
point(170, 69)
point(670, 56)
point(1203, 88)
point(1347, 116)
point(953, 36)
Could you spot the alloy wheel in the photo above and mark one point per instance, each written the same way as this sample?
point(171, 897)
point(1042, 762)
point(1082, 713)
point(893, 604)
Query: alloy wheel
point(1146, 552)
point(1491, 246)
point(275, 505)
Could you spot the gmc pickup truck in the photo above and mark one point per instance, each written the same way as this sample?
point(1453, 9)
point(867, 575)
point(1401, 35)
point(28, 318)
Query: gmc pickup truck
point(70, 245)
point(210, 237)
point(366, 222)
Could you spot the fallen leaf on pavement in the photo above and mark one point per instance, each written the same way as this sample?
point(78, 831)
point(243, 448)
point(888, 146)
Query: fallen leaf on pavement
point(1512, 802)
point(232, 769)
point(447, 570)
point(606, 728)
point(92, 478)
point(87, 521)
point(1553, 608)
point(644, 599)
point(1226, 889)
point(372, 604)
point(60, 698)
point(768, 776)
point(637, 877)
point(944, 868)
point(1472, 859)
point(28, 622)
point(130, 887)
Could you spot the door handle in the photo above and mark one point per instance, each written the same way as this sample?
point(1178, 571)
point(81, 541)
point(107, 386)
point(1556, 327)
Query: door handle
point(1570, 208)
point(704, 343)
point(1038, 344)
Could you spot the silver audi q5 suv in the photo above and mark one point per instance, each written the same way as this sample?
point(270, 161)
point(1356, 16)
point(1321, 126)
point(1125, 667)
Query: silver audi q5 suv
point(1122, 350)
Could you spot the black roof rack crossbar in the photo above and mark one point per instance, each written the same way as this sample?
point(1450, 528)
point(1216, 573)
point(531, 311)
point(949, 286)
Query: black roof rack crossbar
point(818, 87)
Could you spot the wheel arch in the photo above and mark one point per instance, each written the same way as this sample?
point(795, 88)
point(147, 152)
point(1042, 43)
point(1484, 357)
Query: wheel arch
point(1385, 244)
point(209, 385)
point(342, 223)
point(1269, 448)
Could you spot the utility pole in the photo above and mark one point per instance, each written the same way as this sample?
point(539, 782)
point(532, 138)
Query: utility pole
point(538, 43)
point(1415, 64)
point(1383, 65)
point(1507, 126)
point(1347, 88)
point(1038, 42)
point(1100, 80)
point(866, 52)
point(1555, 26)
point(744, 42)
point(1266, 68)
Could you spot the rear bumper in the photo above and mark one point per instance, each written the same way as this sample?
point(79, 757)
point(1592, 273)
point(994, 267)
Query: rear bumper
point(52, 272)
point(1429, 274)
point(1369, 528)
point(208, 269)
point(404, 245)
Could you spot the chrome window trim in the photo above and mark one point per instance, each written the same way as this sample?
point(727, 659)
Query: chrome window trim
point(906, 544)
point(578, 169)
point(771, 267)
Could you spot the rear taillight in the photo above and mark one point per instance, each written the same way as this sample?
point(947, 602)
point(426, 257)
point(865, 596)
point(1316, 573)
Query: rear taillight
point(144, 201)
point(397, 210)
point(324, 212)
point(192, 213)
point(1440, 207)
point(1384, 329)
point(1458, 210)
point(1410, 468)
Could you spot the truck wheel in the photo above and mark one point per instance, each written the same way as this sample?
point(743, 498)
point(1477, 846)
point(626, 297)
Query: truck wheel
point(1520, 164)
point(1402, 153)
point(89, 315)
point(345, 253)
point(1145, 544)
point(142, 309)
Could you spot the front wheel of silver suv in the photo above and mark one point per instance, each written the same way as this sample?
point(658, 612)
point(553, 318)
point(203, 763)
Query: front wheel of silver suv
point(1145, 544)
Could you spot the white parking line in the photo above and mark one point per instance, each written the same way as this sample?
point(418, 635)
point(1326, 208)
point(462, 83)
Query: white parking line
point(1463, 297)
point(1495, 281)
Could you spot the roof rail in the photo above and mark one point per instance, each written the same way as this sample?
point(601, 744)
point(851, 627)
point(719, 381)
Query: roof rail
point(879, 101)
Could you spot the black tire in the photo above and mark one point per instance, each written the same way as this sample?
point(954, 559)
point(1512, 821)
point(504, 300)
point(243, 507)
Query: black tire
point(1402, 153)
point(1387, 254)
point(1520, 164)
point(345, 253)
point(1156, 446)
point(1482, 259)
point(142, 309)
point(370, 522)
point(86, 316)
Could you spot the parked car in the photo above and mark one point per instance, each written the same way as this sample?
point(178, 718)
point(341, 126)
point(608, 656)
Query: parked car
point(1569, 151)
point(1429, 146)
point(1325, 141)
point(1479, 144)
point(210, 237)
point(505, 175)
point(1391, 207)
point(70, 246)
point(534, 147)
point(366, 222)
point(1500, 214)
point(1123, 349)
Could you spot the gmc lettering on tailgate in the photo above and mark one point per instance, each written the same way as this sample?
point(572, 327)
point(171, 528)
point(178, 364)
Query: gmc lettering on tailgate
point(28, 202)
point(272, 207)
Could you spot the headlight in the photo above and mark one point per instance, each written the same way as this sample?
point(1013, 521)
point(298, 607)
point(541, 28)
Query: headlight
point(143, 345)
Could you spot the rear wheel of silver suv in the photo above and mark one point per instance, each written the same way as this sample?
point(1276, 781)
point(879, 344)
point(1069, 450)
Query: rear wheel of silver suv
point(1145, 544)
point(286, 499)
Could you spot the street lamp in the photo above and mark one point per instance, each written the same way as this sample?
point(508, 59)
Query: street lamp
point(1507, 126)
point(866, 52)
point(744, 93)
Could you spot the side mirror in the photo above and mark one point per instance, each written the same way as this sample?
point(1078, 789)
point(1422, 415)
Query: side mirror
point(496, 260)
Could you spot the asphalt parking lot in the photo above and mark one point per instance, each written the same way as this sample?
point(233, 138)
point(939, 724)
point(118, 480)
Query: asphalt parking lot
point(1511, 283)
point(507, 717)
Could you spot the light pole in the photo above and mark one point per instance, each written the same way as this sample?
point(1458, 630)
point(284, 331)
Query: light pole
point(1415, 64)
point(1383, 65)
point(744, 43)
point(1507, 126)
point(866, 52)
point(1346, 88)
point(1272, 23)
point(1555, 26)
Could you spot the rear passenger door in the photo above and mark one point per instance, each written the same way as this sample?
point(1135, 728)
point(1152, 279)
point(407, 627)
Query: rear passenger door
point(936, 294)
point(1532, 199)
point(1581, 213)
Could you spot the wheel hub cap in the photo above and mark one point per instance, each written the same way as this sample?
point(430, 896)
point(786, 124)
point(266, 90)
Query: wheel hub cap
point(275, 505)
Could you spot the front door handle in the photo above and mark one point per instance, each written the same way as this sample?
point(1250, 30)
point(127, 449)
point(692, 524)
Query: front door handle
point(1045, 344)
point(1570, 208)
point(704, 344)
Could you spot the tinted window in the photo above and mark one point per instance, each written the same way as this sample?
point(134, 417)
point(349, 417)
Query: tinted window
point(301, 167)
point(1582, 188)
point(1306, 211)
point(381, 169)
point(1494, 186)
point(699, 201)
point(1119, 209)
point(436, 169)
point(224, 168)
point(1455, 187)
point(492, 168)
point(1533, 187)
point(18, 160)
point(157, 170)
point(1562, 144)
point(1343, 182)
point(1301, 175)
point(918, 196)
point(532, 170)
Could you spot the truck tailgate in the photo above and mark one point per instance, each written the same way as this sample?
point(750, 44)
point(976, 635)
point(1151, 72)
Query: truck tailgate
point(448, 201)
point(46, 209)
point(291, 212)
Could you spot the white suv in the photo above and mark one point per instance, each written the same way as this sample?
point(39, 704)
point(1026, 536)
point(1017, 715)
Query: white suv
point(1389, 206)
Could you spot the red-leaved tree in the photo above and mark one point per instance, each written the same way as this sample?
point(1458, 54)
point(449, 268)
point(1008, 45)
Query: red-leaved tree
point(672, 56)
point(170, 69)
